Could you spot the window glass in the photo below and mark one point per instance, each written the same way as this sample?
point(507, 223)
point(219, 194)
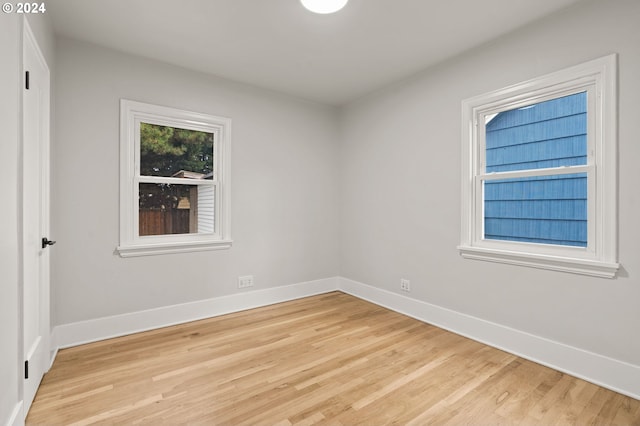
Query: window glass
point(175, 209)
point(171, 208)
point(547, 210)
point(168, 151)
point(543, 135)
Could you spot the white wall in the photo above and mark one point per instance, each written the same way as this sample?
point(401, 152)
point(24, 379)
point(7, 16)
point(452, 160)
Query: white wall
point(400, 180)
point(284, 218)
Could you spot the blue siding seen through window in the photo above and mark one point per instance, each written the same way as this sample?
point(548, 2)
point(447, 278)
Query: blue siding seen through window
point(545, 209)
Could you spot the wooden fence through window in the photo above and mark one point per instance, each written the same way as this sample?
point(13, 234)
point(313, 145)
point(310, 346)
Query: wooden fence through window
point(164, 222)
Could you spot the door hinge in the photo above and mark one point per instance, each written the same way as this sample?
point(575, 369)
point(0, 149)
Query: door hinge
point(26, 80)
point(26, 370)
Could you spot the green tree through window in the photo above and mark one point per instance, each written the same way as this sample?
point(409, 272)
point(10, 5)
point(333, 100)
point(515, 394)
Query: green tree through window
point(166, 150)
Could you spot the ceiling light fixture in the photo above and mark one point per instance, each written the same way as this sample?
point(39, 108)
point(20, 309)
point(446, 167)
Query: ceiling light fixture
point(324, 6)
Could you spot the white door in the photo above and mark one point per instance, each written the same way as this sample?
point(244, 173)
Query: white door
point(35, 193)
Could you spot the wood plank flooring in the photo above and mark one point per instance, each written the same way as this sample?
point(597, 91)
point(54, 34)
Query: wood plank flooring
point(330, 359)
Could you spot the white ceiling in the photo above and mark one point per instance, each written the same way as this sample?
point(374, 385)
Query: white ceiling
point(277, 44)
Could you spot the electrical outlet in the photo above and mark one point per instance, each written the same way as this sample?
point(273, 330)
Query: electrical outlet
point(405, 285)
point(246, 281)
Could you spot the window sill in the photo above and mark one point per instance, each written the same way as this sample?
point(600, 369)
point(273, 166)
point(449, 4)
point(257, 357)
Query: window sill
point(555, 263)
point(135, 250)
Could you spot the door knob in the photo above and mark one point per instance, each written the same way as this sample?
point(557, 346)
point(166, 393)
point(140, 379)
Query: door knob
point(47, 242)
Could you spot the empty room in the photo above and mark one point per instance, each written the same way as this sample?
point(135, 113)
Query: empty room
point(296, 212)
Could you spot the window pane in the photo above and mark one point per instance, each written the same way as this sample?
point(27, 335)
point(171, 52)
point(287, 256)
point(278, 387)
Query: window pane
point(547, 134)
point(546, 210)
point(176, 209)
point(170, 151)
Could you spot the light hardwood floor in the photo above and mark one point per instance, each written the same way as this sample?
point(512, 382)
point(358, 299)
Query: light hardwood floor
point(329, 359)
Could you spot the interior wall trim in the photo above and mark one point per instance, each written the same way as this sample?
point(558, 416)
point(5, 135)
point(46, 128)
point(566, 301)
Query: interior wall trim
point(17, 416)
point(609, 373)
point(78, 333)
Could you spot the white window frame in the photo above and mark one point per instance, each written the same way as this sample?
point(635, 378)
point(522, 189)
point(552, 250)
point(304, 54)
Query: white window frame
point(599, 79)
point(132, 113)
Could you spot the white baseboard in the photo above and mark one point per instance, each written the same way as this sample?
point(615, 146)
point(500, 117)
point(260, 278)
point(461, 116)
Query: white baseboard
point(607, 372)
point(67, 335)
point(53, 353)
point(17, 416)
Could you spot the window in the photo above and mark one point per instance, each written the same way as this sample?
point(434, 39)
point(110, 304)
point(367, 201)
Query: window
point(539, 172)
point(174, 177)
